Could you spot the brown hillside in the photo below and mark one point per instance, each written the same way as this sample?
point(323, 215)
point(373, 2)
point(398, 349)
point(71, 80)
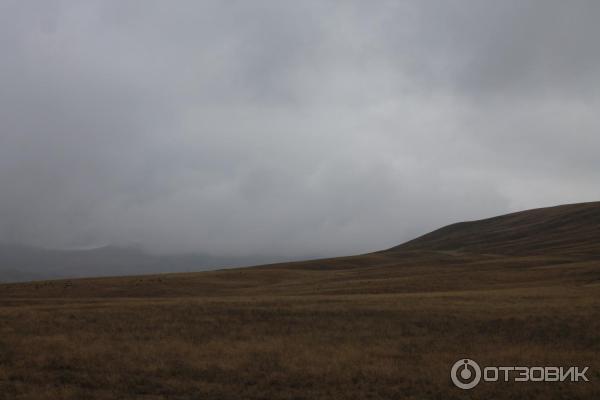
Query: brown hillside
point(572, 230)
point(549, 246)
point(521, 289)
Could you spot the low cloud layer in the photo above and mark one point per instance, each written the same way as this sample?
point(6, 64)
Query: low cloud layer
point(290, 128)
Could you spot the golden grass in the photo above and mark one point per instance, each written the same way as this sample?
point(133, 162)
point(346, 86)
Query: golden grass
point(386, 325)
point(295, 345)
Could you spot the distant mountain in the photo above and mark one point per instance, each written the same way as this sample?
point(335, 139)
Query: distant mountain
point(566, 230)
point(543, 248)
point(25, 263)
point(546, 236)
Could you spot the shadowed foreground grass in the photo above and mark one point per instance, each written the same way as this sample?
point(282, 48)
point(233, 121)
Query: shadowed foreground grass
point(372, 346)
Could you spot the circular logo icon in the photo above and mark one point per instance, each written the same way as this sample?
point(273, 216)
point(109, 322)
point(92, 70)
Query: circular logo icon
point(465, 373)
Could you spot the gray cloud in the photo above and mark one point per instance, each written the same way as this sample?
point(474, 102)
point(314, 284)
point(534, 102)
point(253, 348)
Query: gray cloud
point(289, 128)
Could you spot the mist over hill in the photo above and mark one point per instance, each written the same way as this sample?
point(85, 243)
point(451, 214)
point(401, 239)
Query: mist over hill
point(25, 263)
point(521, 287)
point(562, 235)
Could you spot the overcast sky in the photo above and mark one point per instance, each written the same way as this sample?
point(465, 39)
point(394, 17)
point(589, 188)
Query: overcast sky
point(290, 127)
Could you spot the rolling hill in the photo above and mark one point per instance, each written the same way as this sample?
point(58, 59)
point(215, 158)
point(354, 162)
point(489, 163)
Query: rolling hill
point(520, 289)
point(568, 230)
point(556, 245)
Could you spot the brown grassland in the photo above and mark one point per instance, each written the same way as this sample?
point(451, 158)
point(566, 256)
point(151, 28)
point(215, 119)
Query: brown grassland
point(522, 289)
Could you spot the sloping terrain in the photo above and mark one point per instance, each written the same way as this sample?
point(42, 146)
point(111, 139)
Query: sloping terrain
point(568, 230)
point(548, 246)
point(521, 289)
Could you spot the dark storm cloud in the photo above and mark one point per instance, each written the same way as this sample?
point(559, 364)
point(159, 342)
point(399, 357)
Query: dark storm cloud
point(290, 128)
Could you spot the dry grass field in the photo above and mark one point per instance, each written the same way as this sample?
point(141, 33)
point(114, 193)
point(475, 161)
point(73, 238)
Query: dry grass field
point(522, 289)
